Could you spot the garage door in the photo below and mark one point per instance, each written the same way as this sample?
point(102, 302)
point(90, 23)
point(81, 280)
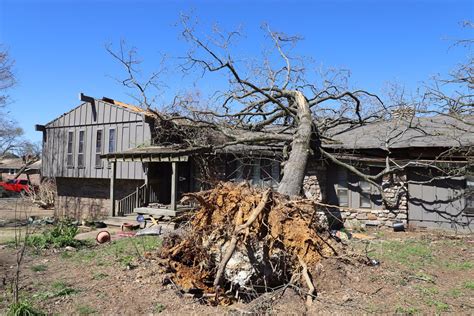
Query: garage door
point(439, 203)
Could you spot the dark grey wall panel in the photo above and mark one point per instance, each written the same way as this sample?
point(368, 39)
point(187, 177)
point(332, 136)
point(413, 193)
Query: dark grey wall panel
point(131, 131)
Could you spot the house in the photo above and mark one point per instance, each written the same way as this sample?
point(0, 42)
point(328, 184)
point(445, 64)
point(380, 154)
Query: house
point(73, 144)
point(9, 167)
point(104, 160)
point(424, 196)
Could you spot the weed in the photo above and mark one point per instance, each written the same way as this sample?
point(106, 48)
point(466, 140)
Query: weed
point(125, 250)
point(455, 293)
point(458, 265)
point(126, 261)
point(406, 310)
point(58, 288)
point(469, 285)
point(39, 268)
point(424, 277)
point(23, 308)
point(440, 306)
point(99, 276)
point(428, 291)
point(66, 255)
point(61, 235)
point(411, 253)
point(85, 310)
point(159, 308)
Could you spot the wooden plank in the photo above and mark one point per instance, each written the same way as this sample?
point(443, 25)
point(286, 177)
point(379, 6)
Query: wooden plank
point(174, 184)
point(112, 187)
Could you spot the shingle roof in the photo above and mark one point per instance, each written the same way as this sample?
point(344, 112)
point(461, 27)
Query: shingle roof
point(437, 131)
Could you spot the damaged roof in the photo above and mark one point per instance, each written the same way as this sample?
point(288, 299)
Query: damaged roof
point(101, 103)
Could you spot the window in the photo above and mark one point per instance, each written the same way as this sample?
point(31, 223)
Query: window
point(98, 149)
point(341, 188)
point(469, 195)
point(111, 143)
point(70, 146)
point(261, 171)
point(111, 140)
point(80, 150)
point(365, 193)
point(266, 169)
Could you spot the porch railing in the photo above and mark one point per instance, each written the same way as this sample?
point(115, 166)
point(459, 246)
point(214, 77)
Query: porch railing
point(140, 197)
point(135, 199)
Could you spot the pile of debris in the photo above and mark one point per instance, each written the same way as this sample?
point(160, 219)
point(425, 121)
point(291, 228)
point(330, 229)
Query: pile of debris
point(244, 241)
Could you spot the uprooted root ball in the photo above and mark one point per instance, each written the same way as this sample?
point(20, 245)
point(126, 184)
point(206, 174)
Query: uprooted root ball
point(247, 240)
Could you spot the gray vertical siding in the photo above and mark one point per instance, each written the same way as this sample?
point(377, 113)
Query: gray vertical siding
point(131, 131)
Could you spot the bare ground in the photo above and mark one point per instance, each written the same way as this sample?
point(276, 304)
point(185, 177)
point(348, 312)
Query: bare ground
point(420, 272)
point(15, 211)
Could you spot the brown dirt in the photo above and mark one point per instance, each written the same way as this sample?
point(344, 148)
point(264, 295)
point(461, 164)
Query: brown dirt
point(24, 209)
point(420, 272)
point(15, 210)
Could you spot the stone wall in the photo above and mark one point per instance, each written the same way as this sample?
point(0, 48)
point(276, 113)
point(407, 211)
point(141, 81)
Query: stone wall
point(395, 188)
point(314, 183)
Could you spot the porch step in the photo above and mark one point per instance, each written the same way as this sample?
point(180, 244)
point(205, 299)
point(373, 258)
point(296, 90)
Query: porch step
point(158, 212)
point(118, 221)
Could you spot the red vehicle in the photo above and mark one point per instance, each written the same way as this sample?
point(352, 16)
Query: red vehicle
point(16, 185)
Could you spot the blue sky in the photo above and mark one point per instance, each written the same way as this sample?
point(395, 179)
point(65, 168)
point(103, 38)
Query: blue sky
point(58, 46)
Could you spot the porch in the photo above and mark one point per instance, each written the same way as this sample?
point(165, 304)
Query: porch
point(167, 176)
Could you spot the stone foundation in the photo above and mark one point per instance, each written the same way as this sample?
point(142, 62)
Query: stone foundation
point(314, 187)
point(314, 183)
point(395, 189)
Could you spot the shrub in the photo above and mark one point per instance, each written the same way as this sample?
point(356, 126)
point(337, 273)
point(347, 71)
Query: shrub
point(61, 235)
point(23, 308)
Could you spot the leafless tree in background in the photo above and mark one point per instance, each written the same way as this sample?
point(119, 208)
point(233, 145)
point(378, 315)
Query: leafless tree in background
point(11, 135)
point(7, 79)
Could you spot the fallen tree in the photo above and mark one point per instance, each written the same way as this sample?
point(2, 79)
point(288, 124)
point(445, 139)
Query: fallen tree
point(245, 240)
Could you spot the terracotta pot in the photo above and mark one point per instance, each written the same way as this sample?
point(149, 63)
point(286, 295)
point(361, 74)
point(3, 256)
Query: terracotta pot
point(129, 227)
point(103, 237)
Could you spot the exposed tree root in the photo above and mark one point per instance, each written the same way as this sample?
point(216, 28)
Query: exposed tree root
point(244, 241)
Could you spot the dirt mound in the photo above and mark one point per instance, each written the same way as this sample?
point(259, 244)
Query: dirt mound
point(244, 241)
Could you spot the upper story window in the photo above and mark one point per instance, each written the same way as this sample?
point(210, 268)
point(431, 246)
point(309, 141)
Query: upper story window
point(111, 140)
point(80, 149)
point(98, 148)
point(70, 147)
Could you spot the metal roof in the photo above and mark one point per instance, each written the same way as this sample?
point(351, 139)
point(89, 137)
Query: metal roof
point(155, 154)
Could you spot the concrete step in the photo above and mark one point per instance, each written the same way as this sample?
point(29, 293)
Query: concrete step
point(118, 221)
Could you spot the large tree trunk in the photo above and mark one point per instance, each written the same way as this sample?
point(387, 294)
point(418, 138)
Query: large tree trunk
point(295, 167)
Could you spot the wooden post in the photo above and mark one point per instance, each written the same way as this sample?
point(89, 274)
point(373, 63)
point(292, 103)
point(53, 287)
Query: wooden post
point(174, 182)
point(137, 199)
point(147, 191)
point(113, 175)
